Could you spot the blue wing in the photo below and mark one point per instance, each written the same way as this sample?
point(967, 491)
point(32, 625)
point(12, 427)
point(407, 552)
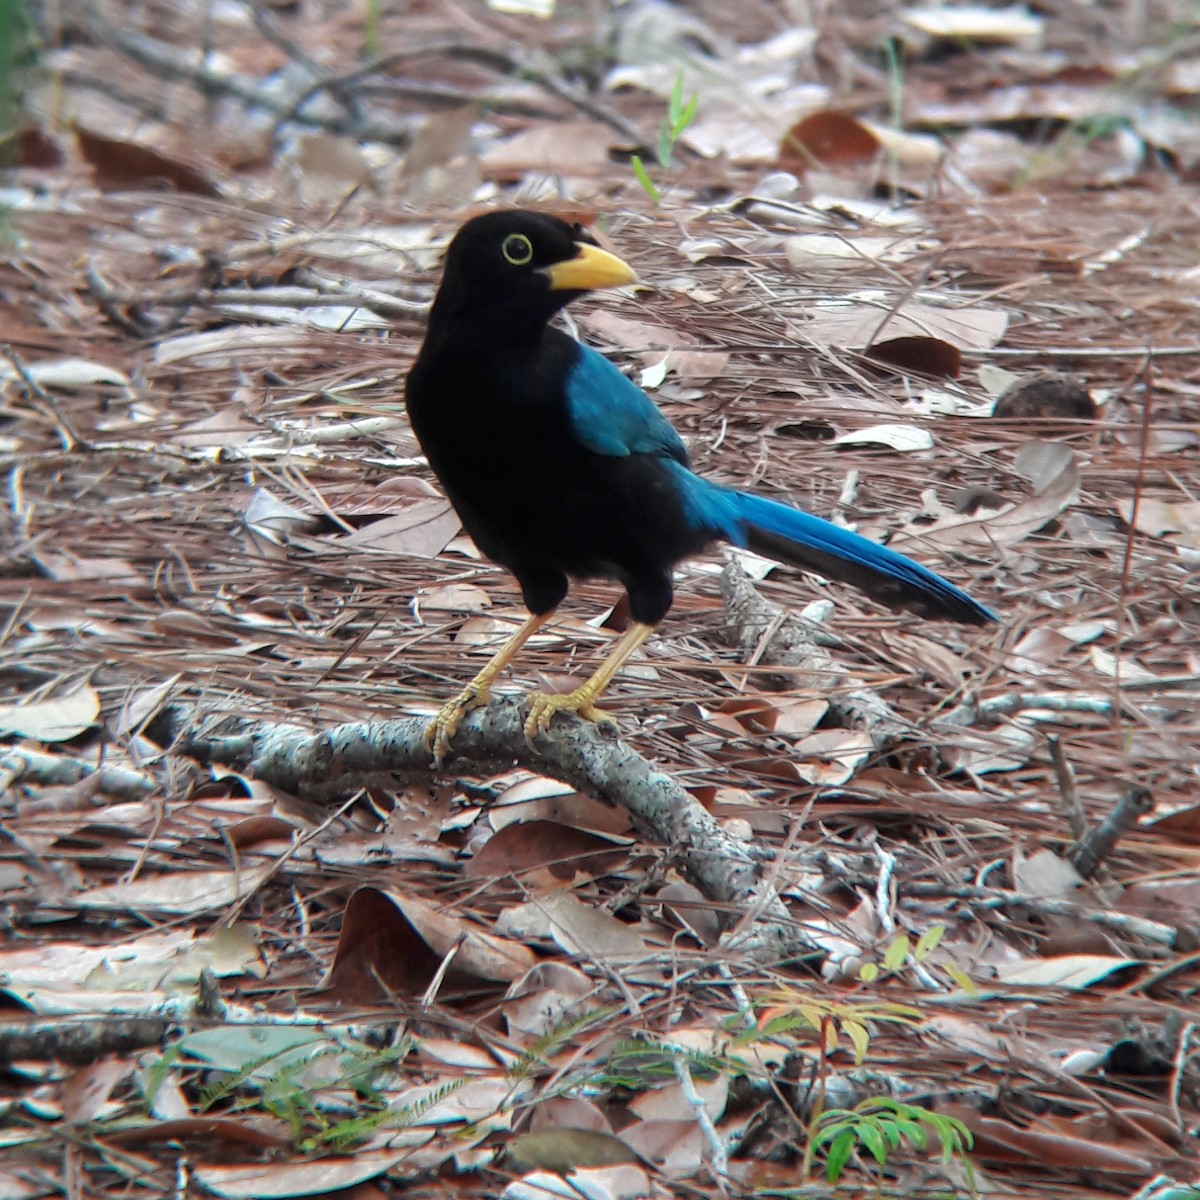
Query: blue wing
point(611, 415)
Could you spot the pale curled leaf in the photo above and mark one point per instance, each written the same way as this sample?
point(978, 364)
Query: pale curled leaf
point(67, 374)
point(908, 149)
point(543, 9)
point(142, 705)
point(55, 720)
point(272, 519)
point(1124, 669)
point(455, 597)
point(620, 1182)
point(1073, 971)
point(1005, 748)
point(653, 375)
point(905, 438)
point(977, 22)
point(1045, 874)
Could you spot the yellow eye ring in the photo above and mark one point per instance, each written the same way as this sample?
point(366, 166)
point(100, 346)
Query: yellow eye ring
point(517, 249)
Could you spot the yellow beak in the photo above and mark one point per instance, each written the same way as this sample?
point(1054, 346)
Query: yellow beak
point(591, 268)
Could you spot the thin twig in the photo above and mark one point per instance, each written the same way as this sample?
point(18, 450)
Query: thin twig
point(1065, 777)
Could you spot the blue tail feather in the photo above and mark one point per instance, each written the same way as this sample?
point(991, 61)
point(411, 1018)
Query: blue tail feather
point(797, 537)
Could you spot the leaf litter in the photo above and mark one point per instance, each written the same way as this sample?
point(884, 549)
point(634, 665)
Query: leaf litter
point(197, 509)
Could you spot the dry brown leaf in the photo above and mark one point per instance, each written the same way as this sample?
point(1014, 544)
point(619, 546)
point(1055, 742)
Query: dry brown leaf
point(1045, 874)
point(1161, 518)
point(426, 172)
point(86, 1090)
point(1125, 669)
point(148, 962)
point(178, 892)
point(270, 1180)
point(695, 366)
point(542, 799)
point(806, 250)
point(1006, 527)
point(137, 709)
point(226, 427)
point(269, 518)
point(126, 167)
point(631, 334)
point(486, 631)
point(670, 1103)
point(1005, 748)
point(321, 168)
point(829, 757)
point(824, 138)
point(576, 928)
point(675, 1147)
point(521, 848)
point(454, 597)
point(540, 1000)
point(399, 942)
point(621, 1182)
point(556, 148)
point(423, 529)
point(906, 148)
point(926, 355)
point(1038, 651)
point(175, 1125)
point(76, 568)
point(67, 374)
point(855, 324)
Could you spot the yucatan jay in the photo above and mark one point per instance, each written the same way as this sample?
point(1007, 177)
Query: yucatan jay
point(561, 467)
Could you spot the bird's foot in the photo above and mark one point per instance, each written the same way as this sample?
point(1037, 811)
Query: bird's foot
point(439, 733)
point(543, 706)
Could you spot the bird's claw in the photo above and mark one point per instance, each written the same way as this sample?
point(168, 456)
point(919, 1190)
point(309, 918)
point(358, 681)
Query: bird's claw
point(543, 706)
point(439, 733)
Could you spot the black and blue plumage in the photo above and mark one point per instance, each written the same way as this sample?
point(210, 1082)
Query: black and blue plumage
point(561, 468)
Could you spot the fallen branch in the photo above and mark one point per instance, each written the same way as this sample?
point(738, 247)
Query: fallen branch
point(1094, 847)
point(772, 636)
point(25, 765)
point(333, 763)
point(79, 1040)
point(330, 101)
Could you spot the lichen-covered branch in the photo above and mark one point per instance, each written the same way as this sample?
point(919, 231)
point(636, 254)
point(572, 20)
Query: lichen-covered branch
point(331, 763)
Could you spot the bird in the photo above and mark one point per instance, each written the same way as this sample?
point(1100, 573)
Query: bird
point(560, 467)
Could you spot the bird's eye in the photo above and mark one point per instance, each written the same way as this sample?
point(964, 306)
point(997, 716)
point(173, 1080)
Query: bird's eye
point(517, 249)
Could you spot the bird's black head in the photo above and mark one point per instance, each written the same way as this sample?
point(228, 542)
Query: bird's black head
point(517, 269)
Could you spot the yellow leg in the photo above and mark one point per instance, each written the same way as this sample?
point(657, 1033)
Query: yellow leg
point(582, 701)
point(439, 733)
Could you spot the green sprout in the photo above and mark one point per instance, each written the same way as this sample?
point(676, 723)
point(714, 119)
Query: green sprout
point(680, 115)
point(878, 1125)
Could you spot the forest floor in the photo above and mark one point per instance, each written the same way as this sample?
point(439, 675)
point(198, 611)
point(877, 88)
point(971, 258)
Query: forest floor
point(976, 851)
